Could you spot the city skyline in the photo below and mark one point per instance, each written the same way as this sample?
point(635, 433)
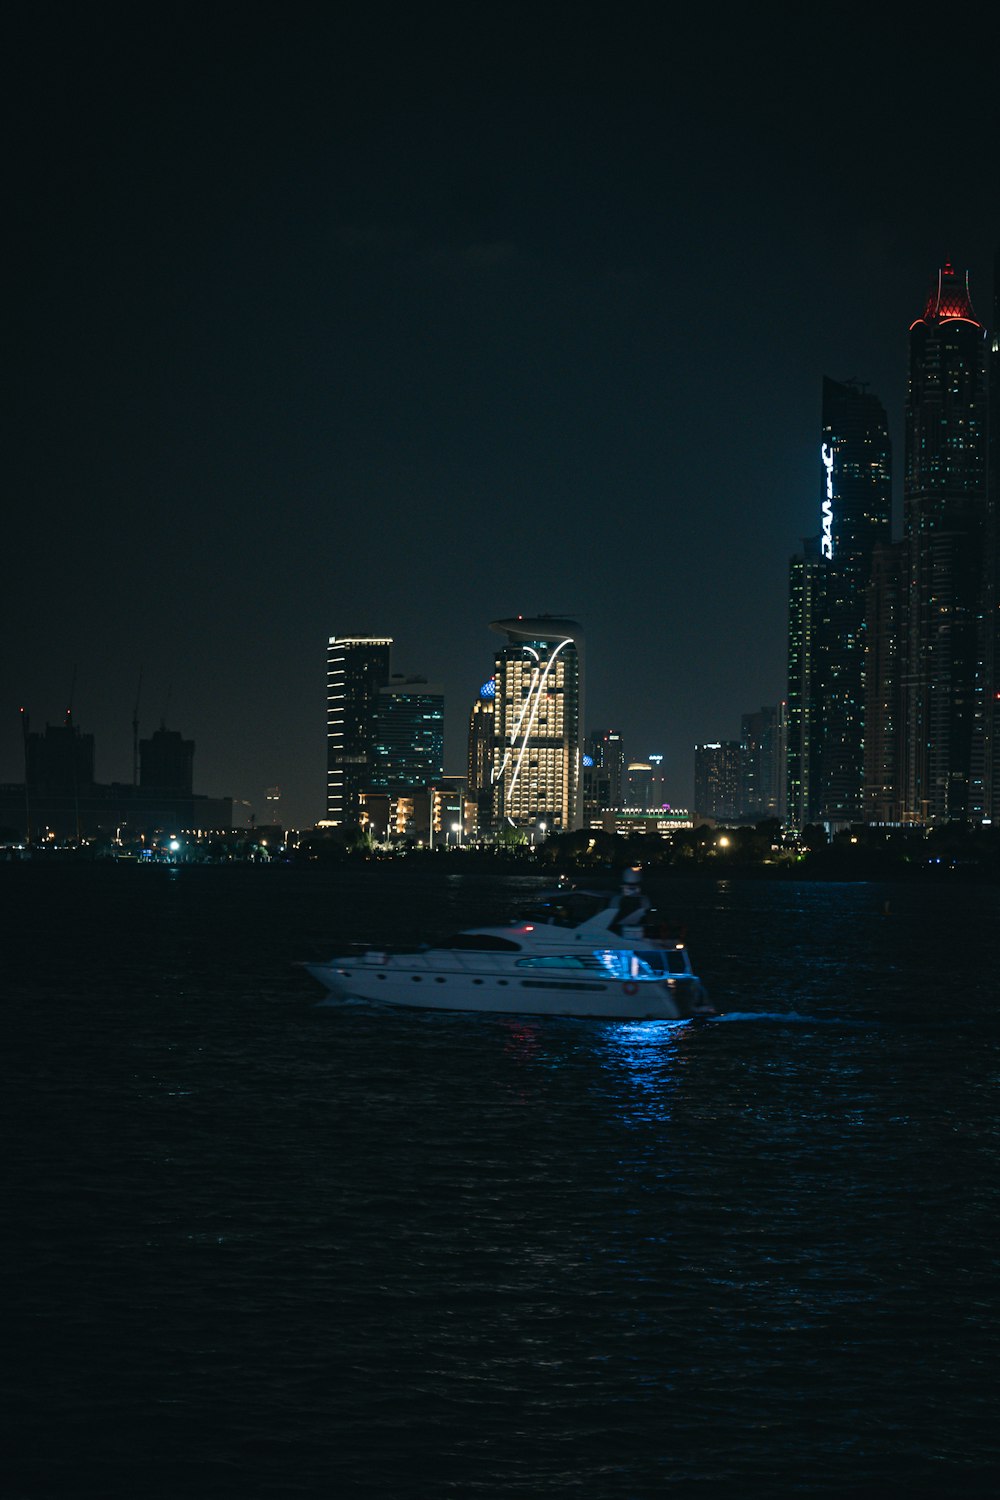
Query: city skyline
point(313, 341)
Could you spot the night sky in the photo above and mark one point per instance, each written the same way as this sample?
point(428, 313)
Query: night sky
point(403, 323)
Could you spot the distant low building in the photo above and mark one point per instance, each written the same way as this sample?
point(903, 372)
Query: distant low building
point(662, 821)
point(439, 816)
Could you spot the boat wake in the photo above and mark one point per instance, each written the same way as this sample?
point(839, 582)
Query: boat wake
point(787, 1018)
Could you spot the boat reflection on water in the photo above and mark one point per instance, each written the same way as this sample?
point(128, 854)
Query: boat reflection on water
point(645, 1061)
point(647, 1058)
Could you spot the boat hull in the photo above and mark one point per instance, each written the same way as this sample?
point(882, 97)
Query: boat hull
point(426, 989)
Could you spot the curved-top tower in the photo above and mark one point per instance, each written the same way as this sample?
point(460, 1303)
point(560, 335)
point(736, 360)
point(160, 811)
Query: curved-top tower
point(537, 722)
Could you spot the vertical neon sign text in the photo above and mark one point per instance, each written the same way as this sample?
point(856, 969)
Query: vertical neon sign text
point(826, 545)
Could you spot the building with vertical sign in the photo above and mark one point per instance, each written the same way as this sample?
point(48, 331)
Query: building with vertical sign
point(537, 717)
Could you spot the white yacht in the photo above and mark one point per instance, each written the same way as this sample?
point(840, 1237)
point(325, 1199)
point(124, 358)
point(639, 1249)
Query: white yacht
point(577, 953)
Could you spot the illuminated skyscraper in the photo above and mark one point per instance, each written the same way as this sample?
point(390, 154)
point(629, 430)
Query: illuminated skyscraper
point(991, 610)
point(539, 704)
point(645, 787)
point(805, 602)
point(357, 667)
point(607, 751)
point(408, 744)
point(717, 779)
point(826, 646)
point(945, 533)
point(856, 517)
point(479, 771)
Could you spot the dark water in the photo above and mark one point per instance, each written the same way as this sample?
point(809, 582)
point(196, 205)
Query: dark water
point(259, 1245)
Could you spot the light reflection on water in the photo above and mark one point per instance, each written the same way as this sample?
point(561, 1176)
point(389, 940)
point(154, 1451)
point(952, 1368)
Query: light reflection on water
point(643, 1056)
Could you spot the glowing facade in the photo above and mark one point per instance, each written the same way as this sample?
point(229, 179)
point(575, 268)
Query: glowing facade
point(537, 717)
point(356, 668)
point(826, 622)
point(857, 484)
point(479, 775)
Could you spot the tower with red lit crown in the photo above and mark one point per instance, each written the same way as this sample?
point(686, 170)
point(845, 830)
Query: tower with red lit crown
point(944, 491)
point(991, 610)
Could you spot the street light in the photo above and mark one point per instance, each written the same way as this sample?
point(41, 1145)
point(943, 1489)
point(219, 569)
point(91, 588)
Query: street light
point(456, 829)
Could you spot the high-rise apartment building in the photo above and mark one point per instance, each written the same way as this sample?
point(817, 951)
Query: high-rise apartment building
point(805, 604)
point(717, 779)
point(479, 771)
point(885, 638)
point(991, 600)
point(856, 518)
point(607, 751)
point(408, 742)
point(537, 717)
point(945, 533)
point(762, 763)
point(645, 785)
point(826, 688)
point(357, 667)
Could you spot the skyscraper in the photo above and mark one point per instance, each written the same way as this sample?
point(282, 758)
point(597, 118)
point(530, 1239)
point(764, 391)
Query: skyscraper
point(826, 685)
point(856, 516)
point(357, 667)
point(805, 599)
point(884, 642)
point(762, 763)
point(607, 750)
point(717, 779)
point(945, 533)
point(408, 740)
point(991, 602)
point(479, 771)
point(537, 718)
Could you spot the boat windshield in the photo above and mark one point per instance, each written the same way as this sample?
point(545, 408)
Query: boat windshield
point(566, 908)
point(653, 963)
point(481, 942)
